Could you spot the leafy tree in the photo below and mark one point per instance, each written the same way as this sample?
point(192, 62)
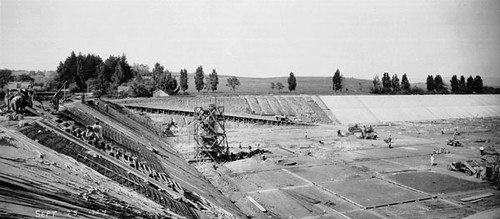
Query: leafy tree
point(292, 82)
point(172, 87)
point(80, 75)
point(117, 67)
point(491, 90)
point(233, 82)
point(141, 70)
point(273, 86)
point(66, 71)
point(386, 81)
point(90, 71)
point(461, 85)
point(439, 84)
point(142, 88)
point(396, 87)
point(376, 85)
point(469, 86)
point(454, 84)
point(213, 80)
point(430, 83)
point(25, 77)
point(167, 83)
point(405, 83)
point(157, 71)
point(280, 86)
point(184, 80)
point(417, 90)
point(117, 76)
point(101, 83)
point(198, 78)
point(337, 81)
point(5, 77)
point(478, 84)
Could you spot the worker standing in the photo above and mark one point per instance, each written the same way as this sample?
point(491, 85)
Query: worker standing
point(97, 128)
point(306, 135)
point(389, 141)
point(478, 171)
point(432, 160)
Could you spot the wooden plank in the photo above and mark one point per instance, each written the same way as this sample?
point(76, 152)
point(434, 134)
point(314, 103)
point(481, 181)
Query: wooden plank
point(476, 197)
point(256, 204)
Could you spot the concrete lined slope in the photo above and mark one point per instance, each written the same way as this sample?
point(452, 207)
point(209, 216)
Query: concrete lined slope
point(325, 109)
point(372, 109)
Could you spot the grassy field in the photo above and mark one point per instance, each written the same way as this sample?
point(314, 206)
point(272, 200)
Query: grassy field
point(305, 85)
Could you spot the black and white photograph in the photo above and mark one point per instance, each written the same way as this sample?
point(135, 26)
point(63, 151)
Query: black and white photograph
point(272, 109)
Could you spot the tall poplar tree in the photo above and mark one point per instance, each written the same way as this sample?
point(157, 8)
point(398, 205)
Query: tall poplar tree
point(337, 81)
point(198, 78)
point(405, 83)
point(184, 80)
point(292, 82)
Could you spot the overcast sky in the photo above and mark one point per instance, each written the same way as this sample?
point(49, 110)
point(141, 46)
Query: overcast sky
point(260, 38)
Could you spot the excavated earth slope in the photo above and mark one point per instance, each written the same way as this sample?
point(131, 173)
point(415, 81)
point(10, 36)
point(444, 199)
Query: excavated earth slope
point(135, 160)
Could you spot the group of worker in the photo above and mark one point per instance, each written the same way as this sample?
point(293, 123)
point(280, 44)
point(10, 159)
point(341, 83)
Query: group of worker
point(92, 135)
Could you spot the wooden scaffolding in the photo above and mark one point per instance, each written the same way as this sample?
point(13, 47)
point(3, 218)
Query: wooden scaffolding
point(210, 134)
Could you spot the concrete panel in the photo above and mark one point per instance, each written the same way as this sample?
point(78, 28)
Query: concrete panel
point(327, 173)
point(381, 108)
point(266, 180)
point(281, 203)
point(435, 182)
point(373, 192)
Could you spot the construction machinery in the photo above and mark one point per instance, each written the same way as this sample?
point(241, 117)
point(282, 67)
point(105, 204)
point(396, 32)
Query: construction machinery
point(490, 150)
point(469, 167)
point(354, 128)
point(283, 118)
point(492, 173)
point(366, 132)
point(454, 143)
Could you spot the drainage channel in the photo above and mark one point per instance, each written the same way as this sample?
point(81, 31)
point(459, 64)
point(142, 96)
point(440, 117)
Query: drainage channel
point(233, 118)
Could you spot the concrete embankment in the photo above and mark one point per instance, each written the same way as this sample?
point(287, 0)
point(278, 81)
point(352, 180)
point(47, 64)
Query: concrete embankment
point(375, 109)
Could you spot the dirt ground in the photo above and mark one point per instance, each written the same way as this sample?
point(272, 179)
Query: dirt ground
point(310, 172)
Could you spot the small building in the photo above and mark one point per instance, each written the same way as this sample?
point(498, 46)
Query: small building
point(159, 93)
point(18, 85)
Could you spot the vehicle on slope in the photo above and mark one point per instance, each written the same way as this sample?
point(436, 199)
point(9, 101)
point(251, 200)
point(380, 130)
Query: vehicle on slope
point(454, 143)
point(283, 118)
point(354, 128)
point(469, 167)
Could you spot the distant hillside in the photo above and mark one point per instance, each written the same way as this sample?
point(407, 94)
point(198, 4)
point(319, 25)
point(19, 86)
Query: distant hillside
point(305, 85)
point(38, 78)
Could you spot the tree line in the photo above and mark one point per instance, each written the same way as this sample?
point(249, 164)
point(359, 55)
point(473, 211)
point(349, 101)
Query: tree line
point(6, 77)
point(85, 73)
point(434, 85)
point(89, 73)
